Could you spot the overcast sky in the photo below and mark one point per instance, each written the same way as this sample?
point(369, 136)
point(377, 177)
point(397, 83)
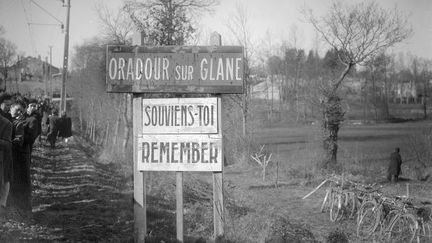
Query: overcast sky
point(22, 18)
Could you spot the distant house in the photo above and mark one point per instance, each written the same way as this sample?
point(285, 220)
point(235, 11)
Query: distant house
point(406, 92)
point(33, 75)
point(268, 88)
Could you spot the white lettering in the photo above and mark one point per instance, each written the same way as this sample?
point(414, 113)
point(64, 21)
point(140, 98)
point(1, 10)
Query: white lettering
point(177, 73)
point(165, 68)
point(148, 68)
point(190, 72)
point(220, 72)
point(157, 68)
point(211, 70)
point(139, 69)
point(237, 72)
point(112, 68)
point(204, 70)
point(122, 63)
point(229, 68)
point(130, 70)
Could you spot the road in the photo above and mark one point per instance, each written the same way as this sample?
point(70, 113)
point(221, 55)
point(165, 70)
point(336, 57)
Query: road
point(74, 199)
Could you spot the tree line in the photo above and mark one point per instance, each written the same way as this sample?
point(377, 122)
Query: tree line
point(358, 37)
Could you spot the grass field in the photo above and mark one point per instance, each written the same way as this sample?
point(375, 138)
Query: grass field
point(363, 152)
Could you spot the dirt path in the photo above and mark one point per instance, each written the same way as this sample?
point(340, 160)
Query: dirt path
point(74, 199)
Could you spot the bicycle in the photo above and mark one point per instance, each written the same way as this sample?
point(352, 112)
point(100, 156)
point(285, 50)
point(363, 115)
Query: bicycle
point(388, 217)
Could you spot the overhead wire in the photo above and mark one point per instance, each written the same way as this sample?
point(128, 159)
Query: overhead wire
point(30, 23)
point(46, 11)
point(32, 41)
point(59, 7)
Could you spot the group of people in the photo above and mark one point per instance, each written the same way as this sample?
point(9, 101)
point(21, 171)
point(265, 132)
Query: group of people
point(20, 126)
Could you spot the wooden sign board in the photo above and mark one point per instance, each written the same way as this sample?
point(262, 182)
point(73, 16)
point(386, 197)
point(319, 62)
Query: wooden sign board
point(180, 115)
point(186, 152)
point(175, 69)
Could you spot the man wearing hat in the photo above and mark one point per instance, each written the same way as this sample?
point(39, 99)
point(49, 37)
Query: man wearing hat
point(33, 126)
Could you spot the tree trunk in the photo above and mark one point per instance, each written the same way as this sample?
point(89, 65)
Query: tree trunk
point(386, 96)
point(425, 89)
point(126, 120)
point(80, 117)
point(116, 131)
point(245, 107)
point(332, 118)
point(375, 99)
point(333, 115)
point(117, 124)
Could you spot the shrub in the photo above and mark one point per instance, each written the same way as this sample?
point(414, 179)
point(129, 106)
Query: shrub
point(337, 236)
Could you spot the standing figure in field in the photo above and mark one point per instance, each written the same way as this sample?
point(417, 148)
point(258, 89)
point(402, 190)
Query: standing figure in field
point(394, 169)
point(54, 127)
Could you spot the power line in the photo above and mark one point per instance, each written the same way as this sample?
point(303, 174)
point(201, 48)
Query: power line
point(32, 42)
point(46, 11)
point(43, 24)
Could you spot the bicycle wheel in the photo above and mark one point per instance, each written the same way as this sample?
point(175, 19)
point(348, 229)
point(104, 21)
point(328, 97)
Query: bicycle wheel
point(364, 205)
point(351, 204)
point(368, 219)
point(403, 229)
point(388, 221)
point(327, 200)
point(336, 207)
point(424, 232)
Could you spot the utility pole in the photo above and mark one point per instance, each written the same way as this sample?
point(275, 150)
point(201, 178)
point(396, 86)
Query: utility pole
point(65, 61)
point(49, 73)
point(46, 74)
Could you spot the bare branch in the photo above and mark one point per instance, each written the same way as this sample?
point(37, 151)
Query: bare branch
point(115, 27)
point(359, 32)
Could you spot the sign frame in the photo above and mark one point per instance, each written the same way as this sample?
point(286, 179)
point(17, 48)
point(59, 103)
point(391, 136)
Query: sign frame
point(185, 152)
point(181, 116)
point(145, 69)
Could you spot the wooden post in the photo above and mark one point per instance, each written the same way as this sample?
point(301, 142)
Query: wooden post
point(140, 207)
point(179, 205)
point(218, 205)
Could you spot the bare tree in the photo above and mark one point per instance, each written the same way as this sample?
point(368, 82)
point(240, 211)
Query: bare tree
point(7, 54)
point(239, 26)
point(116, 27)
point(357, 32)
point(167, 22)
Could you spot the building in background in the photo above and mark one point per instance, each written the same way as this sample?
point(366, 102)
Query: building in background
point(31, 75)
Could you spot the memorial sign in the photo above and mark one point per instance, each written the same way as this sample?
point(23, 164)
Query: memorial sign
point(175, 69)
point(182, 115)
point(180, 152)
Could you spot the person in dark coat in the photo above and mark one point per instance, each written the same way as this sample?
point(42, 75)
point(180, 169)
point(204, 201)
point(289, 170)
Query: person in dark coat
point(33, 125)
point(34, 114)
point(5, 162)
point(20, 190)
point(5, 102)
point(54, 126)
point(394, 169)
point(65, 130)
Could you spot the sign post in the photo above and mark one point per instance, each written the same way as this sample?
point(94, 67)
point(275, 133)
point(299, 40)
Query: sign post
point(176, 134)
point(218, 206)
point(179, 205)
point(140, 207)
